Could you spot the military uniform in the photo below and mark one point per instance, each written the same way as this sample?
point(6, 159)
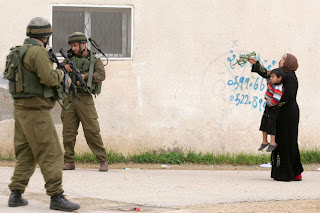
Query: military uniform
point(83, 109)
point(35, 137)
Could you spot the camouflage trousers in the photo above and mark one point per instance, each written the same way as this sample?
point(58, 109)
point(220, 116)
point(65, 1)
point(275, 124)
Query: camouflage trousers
point(36, 142)
point(83, 111)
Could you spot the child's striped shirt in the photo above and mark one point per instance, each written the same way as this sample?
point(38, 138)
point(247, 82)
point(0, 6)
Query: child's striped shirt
point(274, 93)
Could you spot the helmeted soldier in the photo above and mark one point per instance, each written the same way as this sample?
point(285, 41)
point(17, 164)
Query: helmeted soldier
point(82, 109)
point(33, 89)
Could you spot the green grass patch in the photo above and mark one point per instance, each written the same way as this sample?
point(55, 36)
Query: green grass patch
point(114, 157)
point(307, 157)
point(89, 157)
point(310, 156)
point(8, 157)
point(86, 157)
point(146, 157)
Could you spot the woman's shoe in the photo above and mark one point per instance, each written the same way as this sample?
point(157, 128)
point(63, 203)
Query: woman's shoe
point(298, 178)
point(263, 146)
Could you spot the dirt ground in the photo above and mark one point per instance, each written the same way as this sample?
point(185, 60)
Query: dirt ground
point(309, 206)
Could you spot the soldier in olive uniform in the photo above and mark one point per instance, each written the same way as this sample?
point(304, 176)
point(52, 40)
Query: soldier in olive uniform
point(82, 109)
point(35, 136)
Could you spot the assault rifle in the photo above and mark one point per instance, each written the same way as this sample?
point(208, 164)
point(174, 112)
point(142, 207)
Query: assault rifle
point(76, 72)
point(60, 66)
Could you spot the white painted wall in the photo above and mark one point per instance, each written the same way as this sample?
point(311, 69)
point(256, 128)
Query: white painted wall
point(175, 93)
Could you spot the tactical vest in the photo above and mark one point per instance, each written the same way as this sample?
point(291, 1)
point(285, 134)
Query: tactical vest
point(23, 83)
point(86, 65)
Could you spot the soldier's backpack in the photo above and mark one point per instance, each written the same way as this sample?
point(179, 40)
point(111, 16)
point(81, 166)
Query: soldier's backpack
point(25, 84)
point(13, 68)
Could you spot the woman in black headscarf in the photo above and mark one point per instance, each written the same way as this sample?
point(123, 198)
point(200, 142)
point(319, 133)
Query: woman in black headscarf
point(286, 164)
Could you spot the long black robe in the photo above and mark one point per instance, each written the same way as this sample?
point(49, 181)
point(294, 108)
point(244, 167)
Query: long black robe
point(285, 158)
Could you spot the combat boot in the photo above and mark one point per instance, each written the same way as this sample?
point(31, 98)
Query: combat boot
point(59, 202)
point(103, 166)
point(69, 166)
point(16, 199)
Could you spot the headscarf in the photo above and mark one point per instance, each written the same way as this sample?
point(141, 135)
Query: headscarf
point(291, 63)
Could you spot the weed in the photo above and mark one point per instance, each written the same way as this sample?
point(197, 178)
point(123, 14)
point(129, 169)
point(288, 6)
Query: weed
point(307, 157)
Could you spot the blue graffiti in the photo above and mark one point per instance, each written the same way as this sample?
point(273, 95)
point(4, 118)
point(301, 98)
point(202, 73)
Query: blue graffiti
point(231, 59)
point(245, 99)
point(244, 83)
point(264, 63)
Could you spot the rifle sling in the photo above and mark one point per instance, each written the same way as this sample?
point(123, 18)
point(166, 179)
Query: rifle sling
point(90, 76)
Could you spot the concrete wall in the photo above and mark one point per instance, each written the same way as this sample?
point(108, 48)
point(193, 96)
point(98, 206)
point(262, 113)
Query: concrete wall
point(179, 90)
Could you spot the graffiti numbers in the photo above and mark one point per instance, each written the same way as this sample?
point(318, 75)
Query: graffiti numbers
point(244, 83)
point(245, 99)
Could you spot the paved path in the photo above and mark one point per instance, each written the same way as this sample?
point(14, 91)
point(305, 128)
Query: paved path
point(160, 190)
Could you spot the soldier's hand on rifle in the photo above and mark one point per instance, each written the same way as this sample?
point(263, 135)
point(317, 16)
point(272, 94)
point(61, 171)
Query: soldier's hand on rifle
point(78, 82)
point(252, 60)
point(69, 82)
point(68, 68)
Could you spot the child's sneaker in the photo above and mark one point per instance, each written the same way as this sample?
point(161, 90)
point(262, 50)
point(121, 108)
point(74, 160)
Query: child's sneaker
point(271, 148)
point(263, 146)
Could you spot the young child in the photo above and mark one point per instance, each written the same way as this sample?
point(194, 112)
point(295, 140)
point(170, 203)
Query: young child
point(273, 95)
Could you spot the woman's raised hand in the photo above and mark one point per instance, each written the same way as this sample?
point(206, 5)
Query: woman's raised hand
point(252, 60)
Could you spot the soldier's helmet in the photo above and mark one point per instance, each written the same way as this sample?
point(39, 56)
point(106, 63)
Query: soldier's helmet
point(77, 37)
point(39, 27)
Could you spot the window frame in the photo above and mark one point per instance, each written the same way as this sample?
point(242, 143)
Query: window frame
point(102, 6)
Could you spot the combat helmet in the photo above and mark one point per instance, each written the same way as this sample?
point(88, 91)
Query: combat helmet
point(39, 27)
point(77, 37)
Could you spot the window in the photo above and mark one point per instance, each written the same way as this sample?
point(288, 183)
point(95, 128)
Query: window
point(109, 26)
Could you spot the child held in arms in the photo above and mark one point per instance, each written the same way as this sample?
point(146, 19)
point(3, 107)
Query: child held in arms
point(273, 96)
